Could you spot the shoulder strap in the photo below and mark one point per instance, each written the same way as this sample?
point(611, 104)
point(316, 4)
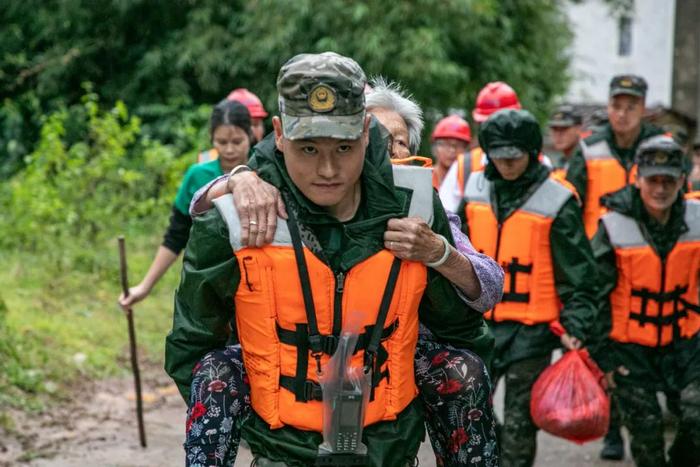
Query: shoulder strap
point(548, 198)
point(309, 306)
point(598, 150)
point(478, 188)
point(419, 180)
point(623, 231)
point(375, 354)
point(692, 220)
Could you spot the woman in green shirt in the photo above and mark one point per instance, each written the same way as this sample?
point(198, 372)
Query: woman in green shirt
point(231, 136)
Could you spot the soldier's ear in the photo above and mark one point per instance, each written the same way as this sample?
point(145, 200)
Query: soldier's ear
point(279, 134)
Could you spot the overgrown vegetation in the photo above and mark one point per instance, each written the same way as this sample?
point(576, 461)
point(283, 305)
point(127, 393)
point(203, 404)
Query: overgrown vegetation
point(93, 175)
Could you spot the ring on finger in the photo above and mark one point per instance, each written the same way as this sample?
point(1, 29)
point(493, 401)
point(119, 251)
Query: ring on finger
point(253, 223)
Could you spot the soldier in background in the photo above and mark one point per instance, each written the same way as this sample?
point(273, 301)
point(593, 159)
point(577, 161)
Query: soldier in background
point(565, 132)
point(604, 161)
point(648, 251)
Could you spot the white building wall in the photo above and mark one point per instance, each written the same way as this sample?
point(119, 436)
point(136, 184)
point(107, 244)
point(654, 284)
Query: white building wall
point(595, 58)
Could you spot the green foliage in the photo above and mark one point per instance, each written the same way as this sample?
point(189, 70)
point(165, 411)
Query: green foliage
point(158, 55)
point(92, 175)
point(61, 329)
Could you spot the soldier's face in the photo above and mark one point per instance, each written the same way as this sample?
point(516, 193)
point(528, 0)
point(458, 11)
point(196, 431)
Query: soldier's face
point(564, 138)
point(392, 121)
point(511, 169)
point(658, 192)
point(625, 113)
point(326, 170)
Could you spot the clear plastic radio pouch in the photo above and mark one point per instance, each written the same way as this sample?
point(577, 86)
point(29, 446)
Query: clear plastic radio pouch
point(346, 391)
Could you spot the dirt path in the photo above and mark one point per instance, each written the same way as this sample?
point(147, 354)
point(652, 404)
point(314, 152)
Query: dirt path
point(102, 432)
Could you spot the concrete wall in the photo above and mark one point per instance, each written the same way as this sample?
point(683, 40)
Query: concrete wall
point(595, 56)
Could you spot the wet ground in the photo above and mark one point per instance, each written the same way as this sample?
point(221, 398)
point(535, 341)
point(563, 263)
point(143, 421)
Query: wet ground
point(102, 432)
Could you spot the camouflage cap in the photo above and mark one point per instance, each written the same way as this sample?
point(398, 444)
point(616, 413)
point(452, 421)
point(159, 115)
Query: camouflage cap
point(322, 95)
point(631, 85)
point(660, 155)
point(565, 116)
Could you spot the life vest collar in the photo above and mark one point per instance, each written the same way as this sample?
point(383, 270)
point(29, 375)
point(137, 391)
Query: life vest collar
point(547, 200)
point(598, 150)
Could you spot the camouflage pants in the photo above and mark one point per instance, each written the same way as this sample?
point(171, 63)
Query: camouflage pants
point(518, 434)
point(641, 414)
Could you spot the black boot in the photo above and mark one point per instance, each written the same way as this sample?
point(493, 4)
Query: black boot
point(613, 446)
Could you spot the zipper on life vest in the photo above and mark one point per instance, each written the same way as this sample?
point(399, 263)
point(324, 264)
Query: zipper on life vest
point(338, 303)
point(660, 303)
point(495, 256)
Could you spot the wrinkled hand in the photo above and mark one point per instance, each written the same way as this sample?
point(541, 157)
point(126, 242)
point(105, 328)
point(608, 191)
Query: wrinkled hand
point(410, 238)
point(136, 294)
point(258, 204)
point(610, 376)
point(570, 342)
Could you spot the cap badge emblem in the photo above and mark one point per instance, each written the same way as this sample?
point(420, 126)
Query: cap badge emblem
point(322, 98)
point(661, 158)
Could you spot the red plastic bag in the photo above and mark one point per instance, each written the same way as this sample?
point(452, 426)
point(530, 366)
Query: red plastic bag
point(569, 401)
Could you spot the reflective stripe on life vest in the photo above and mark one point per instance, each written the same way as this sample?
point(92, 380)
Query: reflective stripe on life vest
point(654, 301)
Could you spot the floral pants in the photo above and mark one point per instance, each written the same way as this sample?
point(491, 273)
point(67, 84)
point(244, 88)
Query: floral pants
point(454, 387)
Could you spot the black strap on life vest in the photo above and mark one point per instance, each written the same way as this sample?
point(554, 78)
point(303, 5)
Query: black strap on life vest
point(313, 338)
point(515, 267)
point(375, 353)
point(329, 343)
point(660, 321)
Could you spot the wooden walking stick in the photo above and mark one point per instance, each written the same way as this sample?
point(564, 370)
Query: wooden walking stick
point(132, 343)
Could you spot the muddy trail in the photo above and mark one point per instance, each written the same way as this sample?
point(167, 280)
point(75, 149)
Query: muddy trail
point(98, 428)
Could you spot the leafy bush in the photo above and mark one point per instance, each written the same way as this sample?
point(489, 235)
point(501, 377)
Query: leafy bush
point(93, 174)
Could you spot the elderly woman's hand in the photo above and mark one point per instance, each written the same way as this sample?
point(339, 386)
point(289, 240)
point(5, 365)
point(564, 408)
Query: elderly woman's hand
point(258, 204)
point(412, 239)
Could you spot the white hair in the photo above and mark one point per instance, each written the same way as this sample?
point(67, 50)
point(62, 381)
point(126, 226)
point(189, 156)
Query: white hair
point(390, 96)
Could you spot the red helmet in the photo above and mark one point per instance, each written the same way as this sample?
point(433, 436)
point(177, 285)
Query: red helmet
point(495, 96)
point(452, 126)
point(250, 100)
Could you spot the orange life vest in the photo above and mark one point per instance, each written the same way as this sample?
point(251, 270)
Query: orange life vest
point(278, 340)
point(208, 155)
point(693, 195)
point(605, 175)
point(654, 301)
point(476, 156)
point(521, 245)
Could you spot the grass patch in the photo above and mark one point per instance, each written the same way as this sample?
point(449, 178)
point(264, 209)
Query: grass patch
point(59, 325)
